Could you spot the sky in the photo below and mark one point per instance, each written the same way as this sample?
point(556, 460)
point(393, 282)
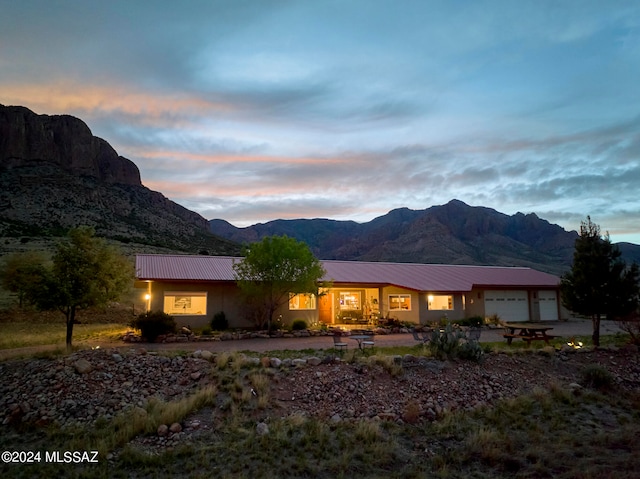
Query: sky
point(251, 111)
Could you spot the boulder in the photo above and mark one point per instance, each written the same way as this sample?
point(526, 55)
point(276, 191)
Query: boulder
point(82, 366)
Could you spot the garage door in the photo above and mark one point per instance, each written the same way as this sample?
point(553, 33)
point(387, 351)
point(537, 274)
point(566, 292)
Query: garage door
point(509, 305)
point(548, 305)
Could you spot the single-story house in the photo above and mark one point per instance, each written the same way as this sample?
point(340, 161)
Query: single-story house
point(194, 288)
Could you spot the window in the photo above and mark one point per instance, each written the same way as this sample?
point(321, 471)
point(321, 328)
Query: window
point(440, 302)
point(187, 302)
point(399, 302)
point(349, 300)
point(302, 301)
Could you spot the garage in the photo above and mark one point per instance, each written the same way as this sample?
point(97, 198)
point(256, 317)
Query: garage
point(548, 305)
point(508, 305)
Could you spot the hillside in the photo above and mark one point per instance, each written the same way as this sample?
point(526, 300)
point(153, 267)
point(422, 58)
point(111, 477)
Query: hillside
point(454, 233)
point(54, 175)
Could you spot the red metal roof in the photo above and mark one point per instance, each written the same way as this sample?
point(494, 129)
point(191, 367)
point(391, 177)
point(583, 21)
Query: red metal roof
point(419, 277)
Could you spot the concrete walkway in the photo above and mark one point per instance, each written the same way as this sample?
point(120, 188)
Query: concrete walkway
point(566, 329)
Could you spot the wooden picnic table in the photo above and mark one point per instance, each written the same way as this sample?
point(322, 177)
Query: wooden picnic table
point(527, 332)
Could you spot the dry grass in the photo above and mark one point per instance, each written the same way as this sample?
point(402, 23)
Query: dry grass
point(26, 334)
point(550, 432)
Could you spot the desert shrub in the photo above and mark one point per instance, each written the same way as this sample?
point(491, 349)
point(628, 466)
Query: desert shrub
point(299, 325)
point(153, 324)
point(445, 343)
point(470, 351)
point(219, 322)
point(596, 376)
point(630, 323)
point(473, 321)
point(206, 331)
point(392, 323)
point(493, 320)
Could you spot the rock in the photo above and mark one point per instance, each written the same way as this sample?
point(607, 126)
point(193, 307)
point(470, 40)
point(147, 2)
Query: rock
point(265, 361)
point(252, 361)
point(207, 355)
point(336, 418)
point(409, 358)
point(298, 362)
point(82, 366)
point(314, 361)
point(175, 427)
point(163, 430)
point(275, 362)
point(262, 429)
point(117, 357)
point(195, 376)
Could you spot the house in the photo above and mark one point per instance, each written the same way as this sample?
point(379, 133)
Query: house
point(194, 288)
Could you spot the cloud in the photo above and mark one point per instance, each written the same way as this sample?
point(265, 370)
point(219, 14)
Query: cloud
point(253, 111)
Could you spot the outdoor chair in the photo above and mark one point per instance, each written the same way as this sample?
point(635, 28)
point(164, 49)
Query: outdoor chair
point(369, 342)
point(424, 338)
point(339, 344)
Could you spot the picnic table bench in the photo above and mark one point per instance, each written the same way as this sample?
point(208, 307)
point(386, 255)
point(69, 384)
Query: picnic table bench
point(527, 332)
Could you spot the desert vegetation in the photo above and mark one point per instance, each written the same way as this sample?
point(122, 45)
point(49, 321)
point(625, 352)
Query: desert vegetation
point(235, 426)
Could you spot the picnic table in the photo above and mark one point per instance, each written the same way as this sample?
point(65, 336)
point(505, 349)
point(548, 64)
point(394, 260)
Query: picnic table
point(527, 332)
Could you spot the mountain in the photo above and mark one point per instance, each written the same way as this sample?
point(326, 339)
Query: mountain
point(455, 233)
point(55, 175)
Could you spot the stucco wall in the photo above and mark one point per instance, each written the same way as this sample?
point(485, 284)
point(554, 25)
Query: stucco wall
point(412, 315)
point(220, 297)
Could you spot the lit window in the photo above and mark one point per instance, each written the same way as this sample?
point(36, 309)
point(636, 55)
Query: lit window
point(302, 301)
point(188, 302)
point(349, 300)
point(399, 302)
point(440, 302)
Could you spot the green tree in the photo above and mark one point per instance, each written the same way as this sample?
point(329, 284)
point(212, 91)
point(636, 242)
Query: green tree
point(85, 272)
point(271, 270)
point(599, 282)
point(20, 271)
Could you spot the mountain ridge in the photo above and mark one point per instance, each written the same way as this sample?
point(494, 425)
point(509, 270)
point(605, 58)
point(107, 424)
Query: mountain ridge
point(55, 175)
point(454, 233)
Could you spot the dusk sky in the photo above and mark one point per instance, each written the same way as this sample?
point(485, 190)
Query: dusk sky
point(250, 111)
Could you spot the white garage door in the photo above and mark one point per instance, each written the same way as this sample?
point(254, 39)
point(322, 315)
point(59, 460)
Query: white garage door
point(509, 305)
point(548, 305)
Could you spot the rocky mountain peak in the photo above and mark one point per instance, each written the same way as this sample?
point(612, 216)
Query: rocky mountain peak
point(61, 142)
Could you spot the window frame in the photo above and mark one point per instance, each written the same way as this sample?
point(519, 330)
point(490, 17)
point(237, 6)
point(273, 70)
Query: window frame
point(432, 296)
point(183, 295)
point(312, 298)
point(400, 296)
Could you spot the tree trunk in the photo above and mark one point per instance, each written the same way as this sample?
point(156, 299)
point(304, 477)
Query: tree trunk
point(71, 317)
point(595, 337)
point(269, 319)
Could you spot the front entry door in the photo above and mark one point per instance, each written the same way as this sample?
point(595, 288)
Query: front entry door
point(325, 313)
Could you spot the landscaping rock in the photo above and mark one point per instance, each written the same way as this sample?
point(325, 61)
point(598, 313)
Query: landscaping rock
point(275, 362)
point(206, 355)
point(82, 366)
point(262, 429)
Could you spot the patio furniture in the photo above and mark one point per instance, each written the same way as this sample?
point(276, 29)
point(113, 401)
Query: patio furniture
point(528, 332)
point(364, 339)
point(421, 336)
point(339, 344)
